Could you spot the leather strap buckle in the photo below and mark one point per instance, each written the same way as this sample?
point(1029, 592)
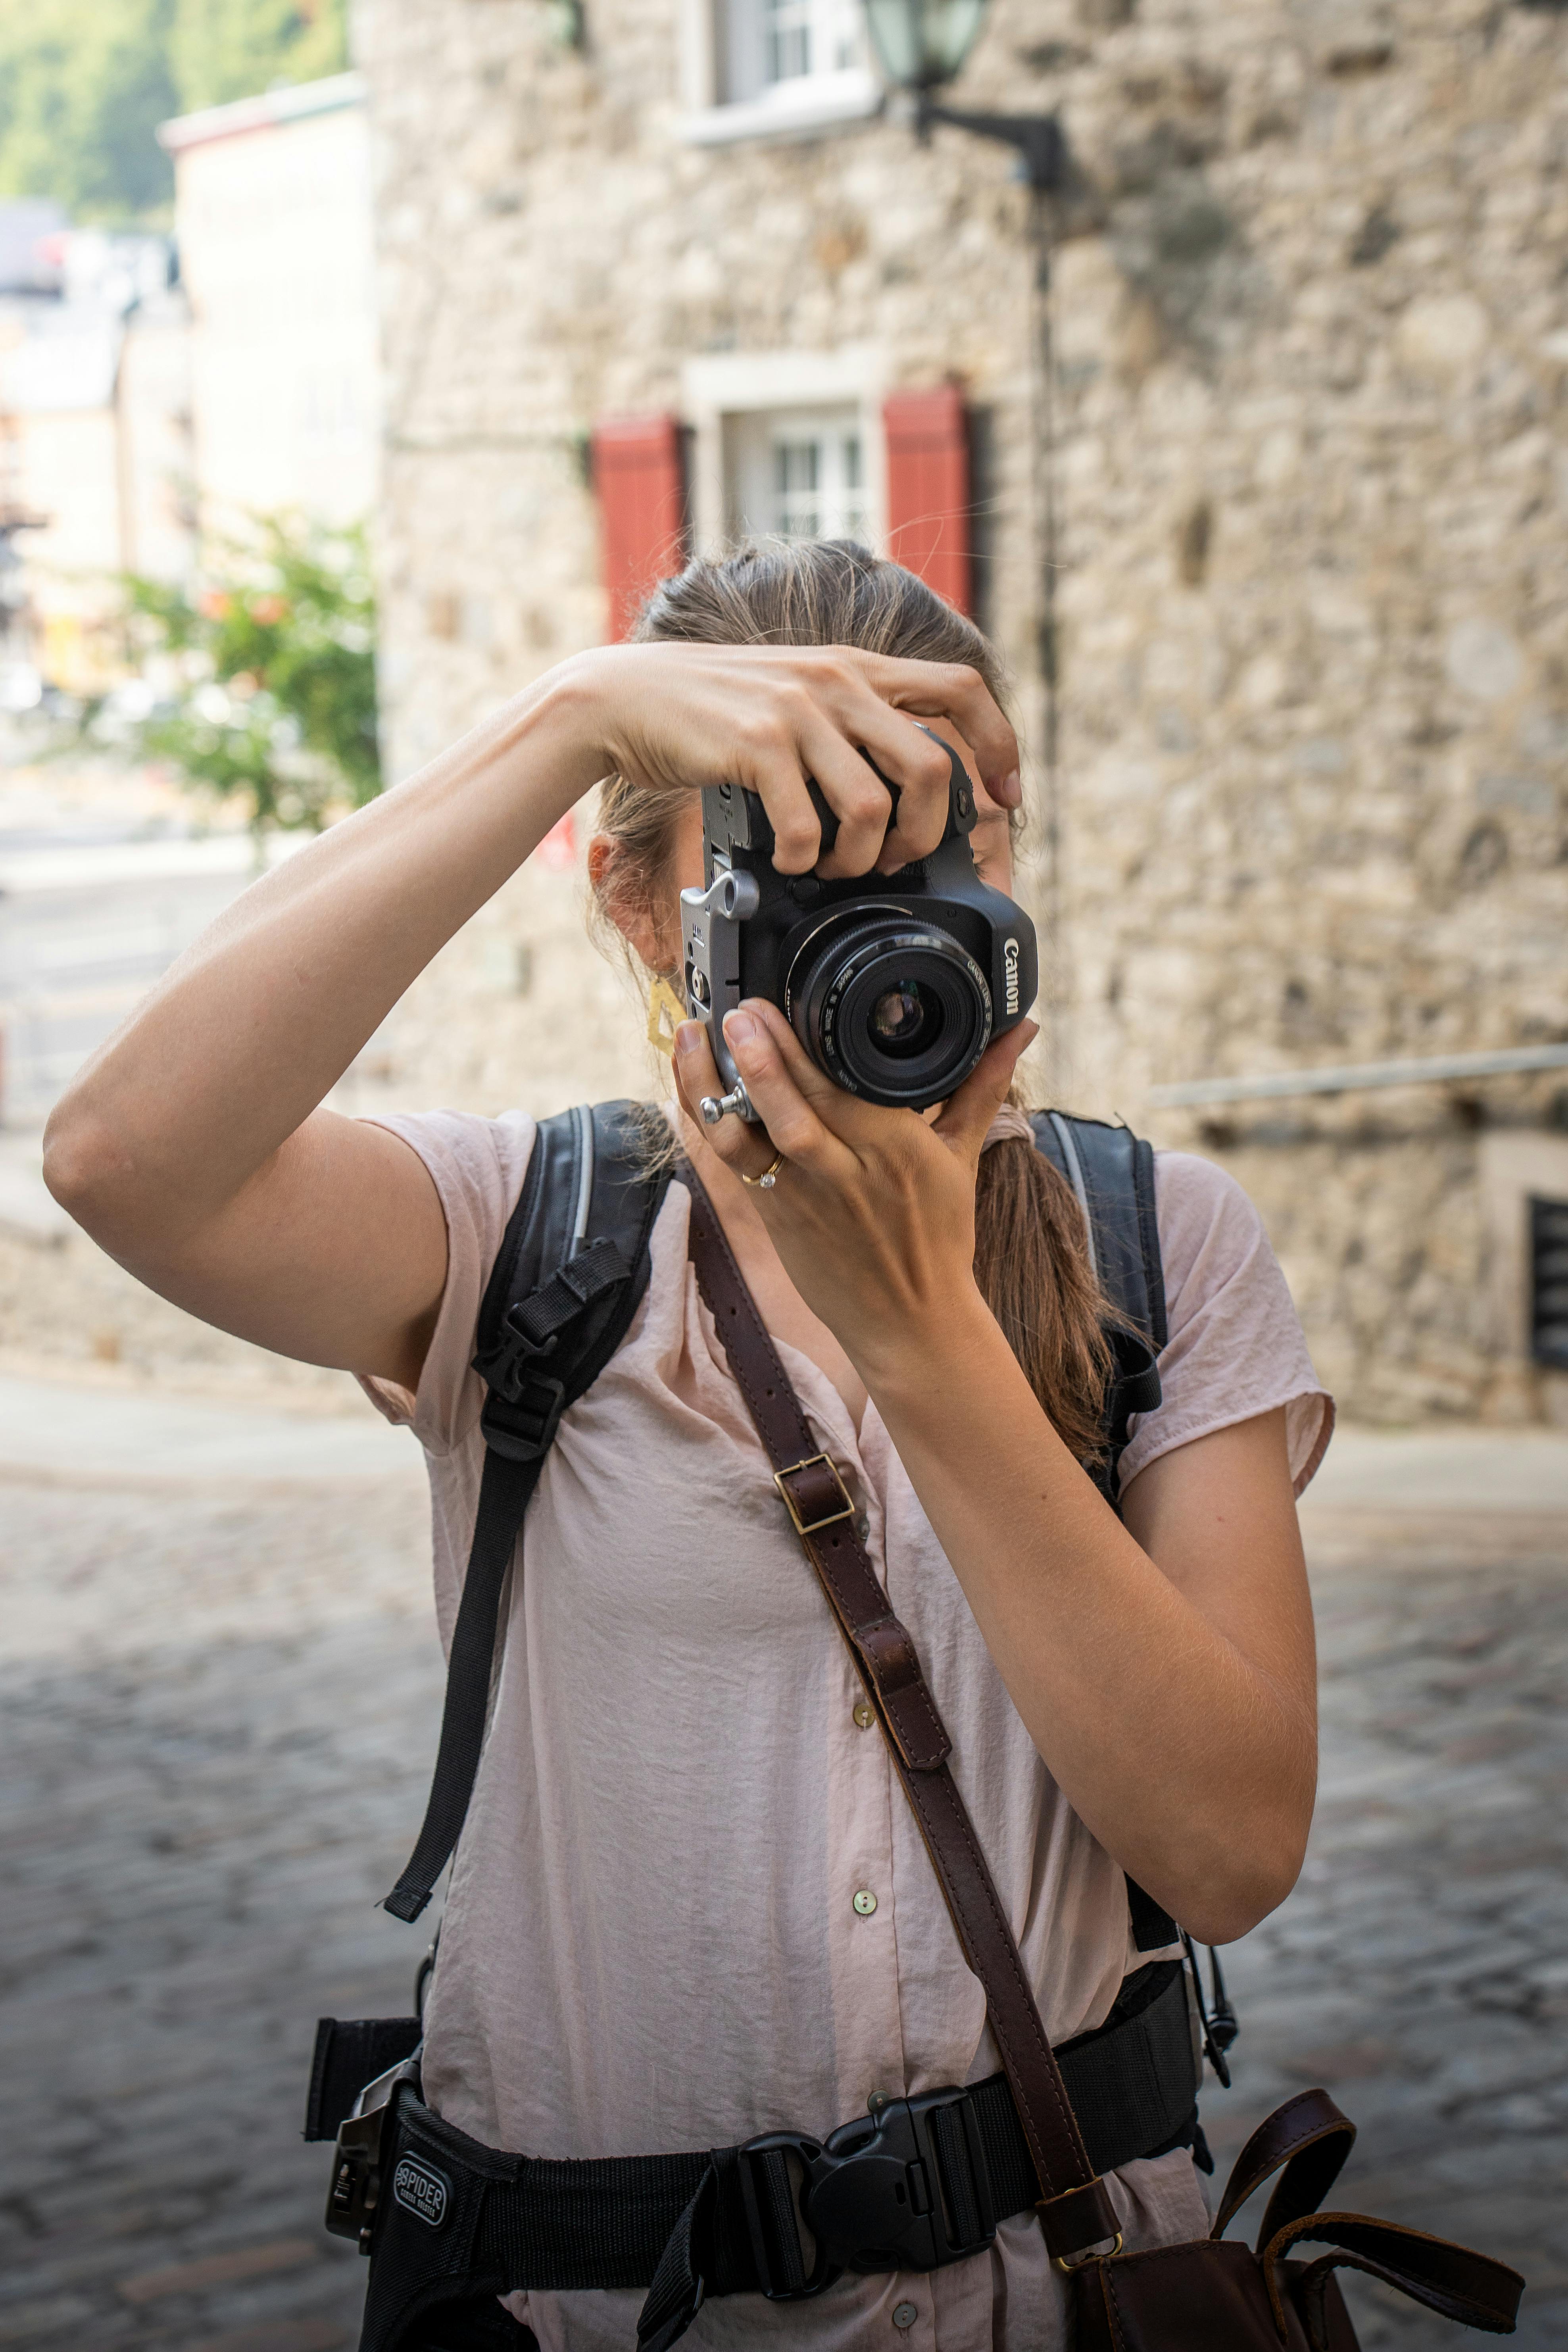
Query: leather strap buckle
point(824, 1465)
point(1085, 2219)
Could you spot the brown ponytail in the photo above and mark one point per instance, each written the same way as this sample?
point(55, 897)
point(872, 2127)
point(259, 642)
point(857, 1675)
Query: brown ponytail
point(1029, 1256)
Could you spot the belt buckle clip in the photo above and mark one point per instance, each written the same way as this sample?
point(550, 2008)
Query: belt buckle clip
point(803, 1526)
point(772, 2222)
point(907, 2188)
point(355, 2188)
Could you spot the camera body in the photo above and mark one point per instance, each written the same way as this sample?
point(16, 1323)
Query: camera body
point(895, 984)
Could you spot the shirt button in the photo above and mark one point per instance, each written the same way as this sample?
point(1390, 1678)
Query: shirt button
point(865, 1902)
point(863, 1527)
point(904, 2314)
point(865, 1714)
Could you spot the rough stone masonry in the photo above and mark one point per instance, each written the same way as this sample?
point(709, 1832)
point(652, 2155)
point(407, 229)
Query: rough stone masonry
point(1310, 332)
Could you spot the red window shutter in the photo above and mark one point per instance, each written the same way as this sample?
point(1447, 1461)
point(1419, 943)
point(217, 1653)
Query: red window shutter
point(642, 501)
point(928, 488)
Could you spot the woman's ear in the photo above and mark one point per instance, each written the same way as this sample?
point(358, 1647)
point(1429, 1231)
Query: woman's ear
point(628, 909)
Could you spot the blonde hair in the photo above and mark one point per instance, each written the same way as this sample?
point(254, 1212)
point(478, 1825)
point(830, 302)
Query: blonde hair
point(1030, 1259)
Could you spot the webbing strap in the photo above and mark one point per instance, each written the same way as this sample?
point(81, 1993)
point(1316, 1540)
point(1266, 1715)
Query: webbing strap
point(572, 1268)
point(678, 2225)
point(504, 1493)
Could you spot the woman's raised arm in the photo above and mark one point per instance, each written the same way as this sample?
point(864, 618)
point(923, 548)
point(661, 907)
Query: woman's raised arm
point(192, 1145)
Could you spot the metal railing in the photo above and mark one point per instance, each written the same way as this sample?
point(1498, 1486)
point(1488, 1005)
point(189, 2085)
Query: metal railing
point(1353, 1078)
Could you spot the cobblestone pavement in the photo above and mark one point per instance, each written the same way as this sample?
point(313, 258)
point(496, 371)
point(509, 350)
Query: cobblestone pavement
point(219, 1706)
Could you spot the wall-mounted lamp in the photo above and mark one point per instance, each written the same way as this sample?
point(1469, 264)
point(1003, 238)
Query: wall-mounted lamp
point(921, 45)
point(568, 25)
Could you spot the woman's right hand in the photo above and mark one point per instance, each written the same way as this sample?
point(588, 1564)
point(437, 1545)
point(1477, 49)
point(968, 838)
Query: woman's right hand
point(671, 716)
point(193, 1145)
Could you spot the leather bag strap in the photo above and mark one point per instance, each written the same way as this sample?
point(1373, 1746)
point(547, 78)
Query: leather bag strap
point(1471, 2289)
point(1075, 2207)
point(1311, 2137)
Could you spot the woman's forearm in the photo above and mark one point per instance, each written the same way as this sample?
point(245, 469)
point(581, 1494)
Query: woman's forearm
point(1190, 1762)
point(258, 1021)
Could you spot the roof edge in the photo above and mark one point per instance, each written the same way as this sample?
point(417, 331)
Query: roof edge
point(265, 111)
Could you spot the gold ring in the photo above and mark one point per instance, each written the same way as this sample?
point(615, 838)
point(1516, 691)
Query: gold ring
point(769, 1176)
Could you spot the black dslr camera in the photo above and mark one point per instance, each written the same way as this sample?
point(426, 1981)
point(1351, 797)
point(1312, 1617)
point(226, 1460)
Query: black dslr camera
point(894, 983)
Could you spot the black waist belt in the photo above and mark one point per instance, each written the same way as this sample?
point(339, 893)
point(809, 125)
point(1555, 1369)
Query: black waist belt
point(920, 2182)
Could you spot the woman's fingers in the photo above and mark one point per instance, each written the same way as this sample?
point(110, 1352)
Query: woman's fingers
point(967, 1114)
point(788, 1092)
point(953, 690)
point(854, 791)
point(738, 1144)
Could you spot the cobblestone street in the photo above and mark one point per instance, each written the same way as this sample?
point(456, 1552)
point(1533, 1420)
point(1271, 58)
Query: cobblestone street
point(219, 1701)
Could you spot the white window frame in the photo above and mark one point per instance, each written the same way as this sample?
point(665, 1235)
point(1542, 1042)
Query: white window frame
point(723, 395)
point(793, 108)
point(752, 441)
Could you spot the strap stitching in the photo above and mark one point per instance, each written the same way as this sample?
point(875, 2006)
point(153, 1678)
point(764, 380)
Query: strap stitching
point(744, 1304)
point(1114, 2308)
point(945, 1781)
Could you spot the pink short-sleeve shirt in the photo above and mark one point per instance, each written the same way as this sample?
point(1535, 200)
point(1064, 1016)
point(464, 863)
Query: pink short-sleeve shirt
point(651, 1941)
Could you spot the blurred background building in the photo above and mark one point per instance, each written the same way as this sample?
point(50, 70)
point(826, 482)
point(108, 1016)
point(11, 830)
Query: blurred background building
point(1280, 484)
point(272, 216)
point(675, 270)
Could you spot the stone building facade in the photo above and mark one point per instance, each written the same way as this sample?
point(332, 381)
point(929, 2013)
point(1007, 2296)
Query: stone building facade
point(1303, 441)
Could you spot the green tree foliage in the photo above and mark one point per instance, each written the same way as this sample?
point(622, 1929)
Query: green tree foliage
point(85, 83)
point(220, 49)
point(266, 675)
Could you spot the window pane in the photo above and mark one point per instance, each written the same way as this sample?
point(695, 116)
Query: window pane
point(787, 42)
point(797, 469)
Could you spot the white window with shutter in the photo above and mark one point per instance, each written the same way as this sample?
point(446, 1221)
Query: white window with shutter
point(787, 445)
point(798, 474)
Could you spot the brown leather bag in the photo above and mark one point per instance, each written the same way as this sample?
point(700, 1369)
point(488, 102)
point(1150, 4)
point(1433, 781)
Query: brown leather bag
point(1215, 2294)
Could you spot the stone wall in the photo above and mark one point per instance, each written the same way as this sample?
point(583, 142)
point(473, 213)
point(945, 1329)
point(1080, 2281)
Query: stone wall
point(1310, 334)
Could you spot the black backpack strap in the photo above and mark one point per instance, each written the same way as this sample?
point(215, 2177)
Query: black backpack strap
point(1111, 1171)
point(568, 1278)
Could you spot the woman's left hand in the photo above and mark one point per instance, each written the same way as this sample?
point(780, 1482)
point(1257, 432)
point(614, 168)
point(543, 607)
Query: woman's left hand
point(1169, 1691)
point(872, 1213)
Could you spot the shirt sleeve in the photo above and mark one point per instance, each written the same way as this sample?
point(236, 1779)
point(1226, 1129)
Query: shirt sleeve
point(477, 1166)
point(1235, 1347)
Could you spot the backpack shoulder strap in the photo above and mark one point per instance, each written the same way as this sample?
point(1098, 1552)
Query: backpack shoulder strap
point(570, 1273)
point(1111, 1171)
point(568, 1278)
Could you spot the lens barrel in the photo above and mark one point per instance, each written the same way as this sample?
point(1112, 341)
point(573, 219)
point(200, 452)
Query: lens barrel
point(892, 1009)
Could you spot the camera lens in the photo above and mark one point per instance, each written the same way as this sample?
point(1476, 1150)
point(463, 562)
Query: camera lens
point(905, 1019)
point(898, 1014)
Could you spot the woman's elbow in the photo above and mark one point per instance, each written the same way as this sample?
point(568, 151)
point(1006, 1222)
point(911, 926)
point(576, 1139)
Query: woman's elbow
point(85, 1167)
point(1245, 1887)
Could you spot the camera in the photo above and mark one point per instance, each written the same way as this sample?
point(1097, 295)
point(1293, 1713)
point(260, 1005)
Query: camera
point(895, 983)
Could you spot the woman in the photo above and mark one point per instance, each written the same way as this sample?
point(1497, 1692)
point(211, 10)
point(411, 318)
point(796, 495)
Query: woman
point(689, 1904)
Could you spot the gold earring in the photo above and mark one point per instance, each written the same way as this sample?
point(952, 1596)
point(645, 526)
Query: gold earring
point(664, 1004)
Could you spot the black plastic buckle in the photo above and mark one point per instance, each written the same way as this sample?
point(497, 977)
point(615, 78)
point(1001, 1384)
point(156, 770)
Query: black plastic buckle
point(767, 2194)
point(507, 1367)
point(524, 1426)
point(355, 2189)
point(905, 2190)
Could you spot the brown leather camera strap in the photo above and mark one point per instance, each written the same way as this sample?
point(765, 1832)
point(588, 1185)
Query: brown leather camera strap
point(1075, 2209)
